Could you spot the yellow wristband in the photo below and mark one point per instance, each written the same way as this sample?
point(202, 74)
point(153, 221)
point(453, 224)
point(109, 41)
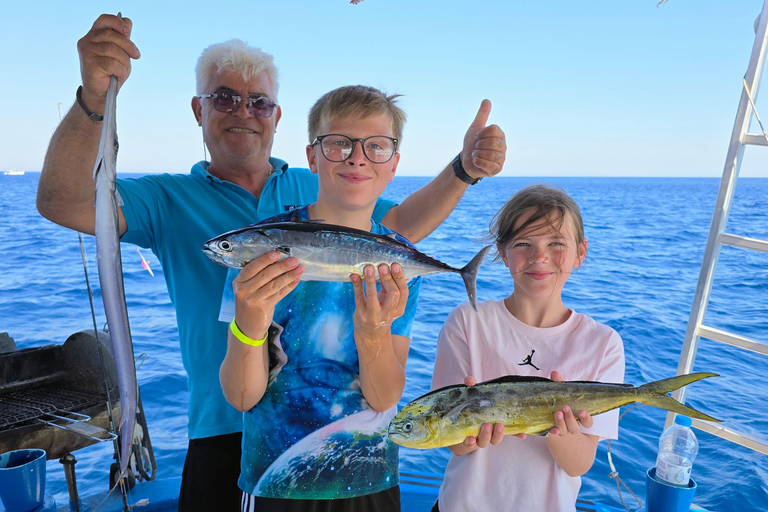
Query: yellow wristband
point(245, 339)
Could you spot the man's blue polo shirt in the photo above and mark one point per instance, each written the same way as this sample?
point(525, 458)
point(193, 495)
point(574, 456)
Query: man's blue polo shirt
point(173, 214)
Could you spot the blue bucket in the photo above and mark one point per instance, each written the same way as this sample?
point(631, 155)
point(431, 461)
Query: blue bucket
point(22, 480)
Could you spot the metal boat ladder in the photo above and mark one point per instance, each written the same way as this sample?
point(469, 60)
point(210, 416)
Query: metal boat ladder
point(740, 138)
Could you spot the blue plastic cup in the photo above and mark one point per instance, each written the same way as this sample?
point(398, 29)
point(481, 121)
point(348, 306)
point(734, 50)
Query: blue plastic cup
point(661, 496)
point(22, 480)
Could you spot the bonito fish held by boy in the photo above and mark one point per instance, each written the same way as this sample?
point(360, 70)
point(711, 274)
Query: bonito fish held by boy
point(332, 253)
point(446, 416)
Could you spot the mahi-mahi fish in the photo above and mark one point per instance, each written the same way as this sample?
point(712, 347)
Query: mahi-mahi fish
point(331, 253)
point(111, 272)
point(446, 416)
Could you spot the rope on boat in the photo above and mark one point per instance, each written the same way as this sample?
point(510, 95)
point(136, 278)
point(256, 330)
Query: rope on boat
point(615, 474)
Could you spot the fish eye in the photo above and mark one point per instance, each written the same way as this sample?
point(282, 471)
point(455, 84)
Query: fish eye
point(224, 245)
point(408, 427)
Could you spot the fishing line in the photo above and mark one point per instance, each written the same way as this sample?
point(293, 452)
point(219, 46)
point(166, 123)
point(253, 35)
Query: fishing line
point(615, 474)
point(115, 442)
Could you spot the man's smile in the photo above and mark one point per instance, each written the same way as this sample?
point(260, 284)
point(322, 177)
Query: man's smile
point(236, 129)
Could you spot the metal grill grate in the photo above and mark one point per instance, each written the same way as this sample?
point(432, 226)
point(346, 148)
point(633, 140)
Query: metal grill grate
point(25, 406)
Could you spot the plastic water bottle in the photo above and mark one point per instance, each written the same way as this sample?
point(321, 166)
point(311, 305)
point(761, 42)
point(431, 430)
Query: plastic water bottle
point(677, 449)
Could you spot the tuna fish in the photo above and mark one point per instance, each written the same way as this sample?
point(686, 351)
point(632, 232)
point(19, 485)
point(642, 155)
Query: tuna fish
point(110, 266)
point(332, 253)
point(446, 416)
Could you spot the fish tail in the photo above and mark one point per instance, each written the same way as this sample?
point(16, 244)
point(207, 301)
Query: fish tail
point(655, 394)
point(469, 274)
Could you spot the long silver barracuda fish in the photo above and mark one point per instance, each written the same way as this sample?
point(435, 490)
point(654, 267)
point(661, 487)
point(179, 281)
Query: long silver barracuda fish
point(331, 253)
point(110, 266)
point(446, 416)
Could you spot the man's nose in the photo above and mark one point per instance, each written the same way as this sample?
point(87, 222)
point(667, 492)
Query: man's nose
point(357, 158)
point(242, 110)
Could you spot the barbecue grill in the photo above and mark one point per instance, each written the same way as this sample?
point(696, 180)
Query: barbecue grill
point(53, 397)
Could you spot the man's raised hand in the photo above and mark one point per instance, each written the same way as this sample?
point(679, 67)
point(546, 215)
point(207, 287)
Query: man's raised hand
point(105, 50)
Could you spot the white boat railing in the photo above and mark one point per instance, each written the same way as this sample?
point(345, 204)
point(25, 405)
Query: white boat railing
point(718, 237)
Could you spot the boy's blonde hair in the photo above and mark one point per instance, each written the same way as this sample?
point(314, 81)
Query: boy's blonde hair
point(234, 56)
point(355, 101)
point(547, 202)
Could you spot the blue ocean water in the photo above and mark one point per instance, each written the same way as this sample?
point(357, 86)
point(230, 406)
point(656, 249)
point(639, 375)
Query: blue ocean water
point(646, 241)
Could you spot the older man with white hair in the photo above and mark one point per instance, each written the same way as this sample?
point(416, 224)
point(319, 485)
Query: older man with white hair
point(173, 214)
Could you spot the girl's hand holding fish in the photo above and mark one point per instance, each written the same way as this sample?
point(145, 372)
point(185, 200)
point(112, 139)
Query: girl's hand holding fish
point(489, 434)
point(261, 284)
point(573, 450)
point(382, 355)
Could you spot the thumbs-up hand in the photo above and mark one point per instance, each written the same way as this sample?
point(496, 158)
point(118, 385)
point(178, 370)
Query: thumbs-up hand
point(485, 147)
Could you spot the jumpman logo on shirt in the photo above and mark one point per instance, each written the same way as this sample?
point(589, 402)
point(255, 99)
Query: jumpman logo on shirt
point(527, 361)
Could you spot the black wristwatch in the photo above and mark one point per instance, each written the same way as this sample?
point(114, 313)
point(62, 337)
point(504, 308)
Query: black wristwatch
point(460, 173)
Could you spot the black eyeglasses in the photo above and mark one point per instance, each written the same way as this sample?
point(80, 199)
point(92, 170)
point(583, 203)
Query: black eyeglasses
point(378, 149)
point(258, 106)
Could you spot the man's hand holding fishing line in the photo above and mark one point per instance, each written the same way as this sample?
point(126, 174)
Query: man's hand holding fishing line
point(261, 284)
point(382, 356)
point(65, 190)
point(105, 50)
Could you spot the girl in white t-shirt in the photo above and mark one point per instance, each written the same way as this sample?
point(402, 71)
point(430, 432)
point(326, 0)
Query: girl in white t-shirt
point(539, 235)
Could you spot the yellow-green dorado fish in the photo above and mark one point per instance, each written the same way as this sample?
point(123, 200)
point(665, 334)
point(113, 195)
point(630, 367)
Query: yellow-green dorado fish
point(446, 416)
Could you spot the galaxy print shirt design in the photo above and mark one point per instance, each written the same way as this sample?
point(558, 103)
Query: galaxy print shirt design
point(313, 435)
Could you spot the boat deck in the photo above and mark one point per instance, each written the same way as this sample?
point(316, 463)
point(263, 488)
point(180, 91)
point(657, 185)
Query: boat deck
point(418, 491)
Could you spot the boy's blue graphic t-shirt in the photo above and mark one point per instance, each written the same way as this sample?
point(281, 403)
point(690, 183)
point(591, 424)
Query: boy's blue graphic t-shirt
point(313, 435)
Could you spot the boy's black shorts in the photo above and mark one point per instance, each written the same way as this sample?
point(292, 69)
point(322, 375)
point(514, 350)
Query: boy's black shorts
point(209, 478)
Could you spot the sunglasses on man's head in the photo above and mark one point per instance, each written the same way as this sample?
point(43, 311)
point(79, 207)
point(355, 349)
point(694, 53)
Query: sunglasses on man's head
point(227, 102)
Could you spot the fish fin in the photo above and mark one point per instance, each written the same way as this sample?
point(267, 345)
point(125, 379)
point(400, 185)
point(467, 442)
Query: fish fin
point(444, 388)
point(516, 378)
point(540, 433)
point(619, 384)
point(392, 236)
point(655, 394)
point(469, 274)
point(453, 414)
point(284, 250)
point(118, 199)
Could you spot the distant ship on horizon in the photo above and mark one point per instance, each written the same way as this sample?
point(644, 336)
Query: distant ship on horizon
point(14, 172)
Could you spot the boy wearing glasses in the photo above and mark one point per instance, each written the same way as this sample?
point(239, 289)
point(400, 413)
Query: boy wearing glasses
point(318, 397)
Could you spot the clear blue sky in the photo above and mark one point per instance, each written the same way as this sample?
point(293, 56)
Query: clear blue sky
point(581, 87)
